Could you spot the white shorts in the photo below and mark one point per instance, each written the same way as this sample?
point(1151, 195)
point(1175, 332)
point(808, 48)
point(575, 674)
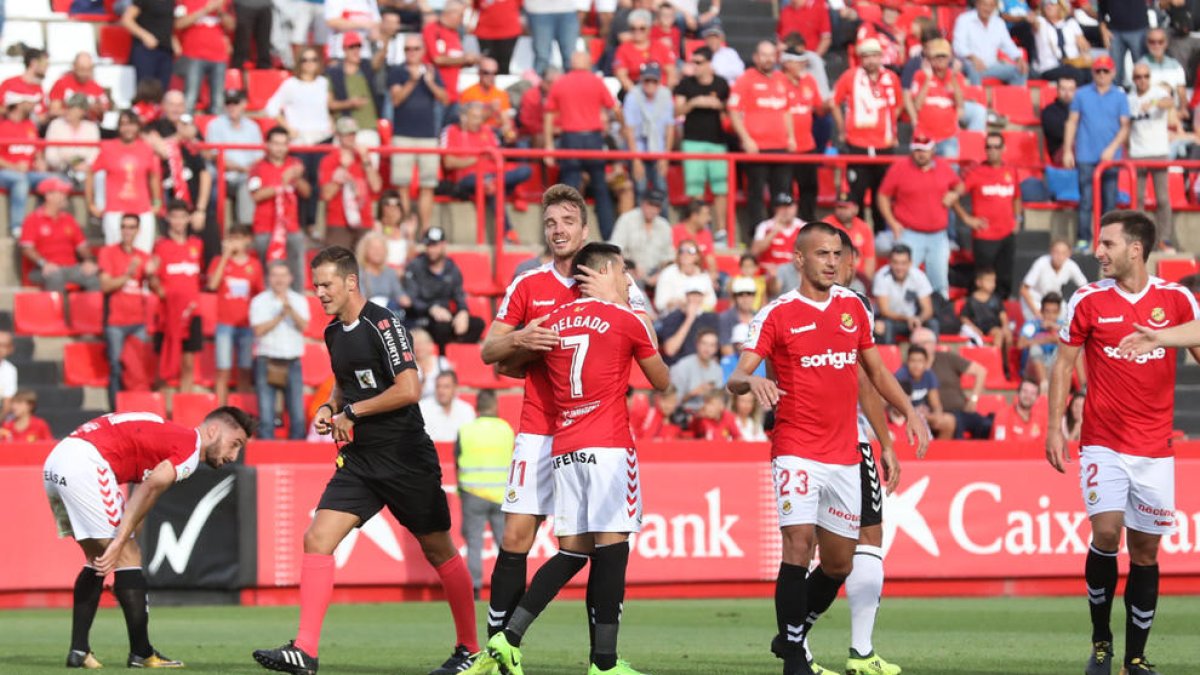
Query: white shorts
point(305, 16)
point(1141, 487)
point(808, 492)
point(530, 488)
point(597, 490)
point(84, 494)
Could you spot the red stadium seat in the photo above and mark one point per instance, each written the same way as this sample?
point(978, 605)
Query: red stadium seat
point(970, 146)
point(314, 365)
point(1021, 149)
point(247, 401)
point(508, 262)
point(86, 313)
point(261, 85)
point(141, 401)
point(1047, 94)
point(476, 269)
point(510, 408)
point(1178, 190)
point(204, 368)
point(85, 364)
point(317, 320)
point(729, 263)
point(890, 354)
point(469, 366)
point(481, 306)
point(1015, 103)
point(202, 122)
point(974, 92)
point(114, 43)
point(189, 410)
point(990, 358)
point(234, 80)
point(991, 403)
point(39, 313)
point(1174, 269)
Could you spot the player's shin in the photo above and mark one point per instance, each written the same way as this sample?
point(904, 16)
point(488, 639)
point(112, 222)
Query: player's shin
point(316, 592)
point(546, 584)
point(129, 586)
point(456, 584)
point(1100, 574)
point(508, 587)
point(1141, 602)
point(88, 587)
point(864, 587)
point(608, 568)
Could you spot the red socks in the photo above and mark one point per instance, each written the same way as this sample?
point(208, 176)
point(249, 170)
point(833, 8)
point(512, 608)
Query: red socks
point(456, 583)
point(316, 590)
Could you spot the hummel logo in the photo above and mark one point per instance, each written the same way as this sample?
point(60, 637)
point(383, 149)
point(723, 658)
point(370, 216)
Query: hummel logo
point(543, 303)
point(804, 329)
point(1110, 319)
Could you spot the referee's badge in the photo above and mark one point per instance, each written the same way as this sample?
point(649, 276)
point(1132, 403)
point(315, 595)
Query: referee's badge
point(340, 461)
point(366, 379)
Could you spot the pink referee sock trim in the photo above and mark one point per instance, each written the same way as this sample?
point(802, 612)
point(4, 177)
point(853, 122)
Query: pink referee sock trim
point(456, 583)
point(316, 591)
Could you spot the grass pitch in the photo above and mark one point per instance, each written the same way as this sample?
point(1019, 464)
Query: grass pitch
point(728, 637)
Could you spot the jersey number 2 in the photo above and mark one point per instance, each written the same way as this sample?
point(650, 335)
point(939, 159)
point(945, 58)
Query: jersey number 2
point(578, 344)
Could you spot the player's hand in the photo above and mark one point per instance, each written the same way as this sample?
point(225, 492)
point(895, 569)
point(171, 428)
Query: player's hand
point(765, 392)
point(322, 421)
point(891, 468)
point(343, 428)
point(917, 430)
point(1056, 450)
point(599, 285)
point(1143, 341)
point(107, 561)
point(535, 338)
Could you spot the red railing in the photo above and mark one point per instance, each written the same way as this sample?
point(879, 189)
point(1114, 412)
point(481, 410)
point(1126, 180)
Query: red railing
point(1131, 166)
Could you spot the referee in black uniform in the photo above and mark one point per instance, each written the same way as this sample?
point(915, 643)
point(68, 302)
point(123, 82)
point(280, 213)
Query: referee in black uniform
point(387, 460)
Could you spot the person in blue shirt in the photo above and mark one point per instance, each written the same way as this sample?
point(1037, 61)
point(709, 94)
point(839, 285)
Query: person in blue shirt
point(1038, 340)
point(1097, 128)
point(235, 127)
point(418, 97)
point(918, 380)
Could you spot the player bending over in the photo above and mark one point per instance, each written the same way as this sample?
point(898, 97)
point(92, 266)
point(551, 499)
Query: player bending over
point(815, 338)
point(83, 477)
point(597, 493)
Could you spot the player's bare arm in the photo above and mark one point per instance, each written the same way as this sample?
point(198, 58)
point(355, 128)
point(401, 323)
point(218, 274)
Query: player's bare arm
point(656, 371)
point(143, 499)
point(1145, 339)
point(503, 340)
point(1060, 386)
point(744, 380)
point(873, 410)
point(887, 386)
point(405, 391)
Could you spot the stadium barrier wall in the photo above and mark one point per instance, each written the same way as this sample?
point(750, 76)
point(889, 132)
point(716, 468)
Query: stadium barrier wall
point(975, 518)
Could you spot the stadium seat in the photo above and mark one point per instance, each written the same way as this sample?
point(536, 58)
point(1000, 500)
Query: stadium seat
point(469, 366)
point(189, 410)
point(39, 313)
point(476, 269)
point(204, 368)
point(85, 364)
point(1015, 103)
point(202, 121)
point(120, 80)
point(970, 146)
point(510, 408)
point(890, 354)
point(1021, 149)
point(1177, 187)
point(261, 85)
point(991, 403)
point(974, 92)
point(30, 9)
point(234, 80)
point(990, 358)
point(207, 307)
point(1047, 94)
point(28, 33)
point(729, 263)
point(481, 306)
point(1174, 269)
point(317, 320)
point(141, 401)
point(508, 262)
point(68, 39)
point(114, 43)
point(246, 400)
point(314, 365)
point(85, 312)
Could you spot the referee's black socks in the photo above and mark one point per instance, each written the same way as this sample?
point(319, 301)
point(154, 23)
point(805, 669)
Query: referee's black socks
point(88, 587)
point(508, 587)
point(1100, 574)
point(546, 584)
point(129, 585)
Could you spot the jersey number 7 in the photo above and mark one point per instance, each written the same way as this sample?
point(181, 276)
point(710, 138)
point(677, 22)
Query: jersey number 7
point(578, 344)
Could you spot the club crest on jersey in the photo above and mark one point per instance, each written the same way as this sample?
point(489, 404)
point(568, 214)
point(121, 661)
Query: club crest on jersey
point(365, 378)
point(1158, 317)
point(847, 322)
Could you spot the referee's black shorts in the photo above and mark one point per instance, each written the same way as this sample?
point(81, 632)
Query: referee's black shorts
point(405, 479)
point(872, 491)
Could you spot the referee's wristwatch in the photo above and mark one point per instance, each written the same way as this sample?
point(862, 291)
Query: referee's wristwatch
point(348, 411)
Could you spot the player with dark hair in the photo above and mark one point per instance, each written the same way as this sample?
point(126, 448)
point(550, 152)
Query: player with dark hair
point(815, 339)
point(1127, 463)
point(597, 495)
point(83, 477)
point(386, 460)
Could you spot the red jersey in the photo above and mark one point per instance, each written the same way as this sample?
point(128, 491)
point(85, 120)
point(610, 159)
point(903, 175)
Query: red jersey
point(810, 19)
point(129, 169)
point(871, 107)
point(652, 426)
point(498, 19)
point(938, 117)
point(671, 38)
point(455, 137)
point(704, 239)
point(205, 39)
point(861, 235)
point(36, 430)
point(783, 243)
point(917, 193)
point(284, 205)
point(763, 102)
point(443, 41)
point(814, 349)
point(589, 373)
point(16, 90)
point(1130, 405)
point(179, 265)
point(18, 153)
point(632, 57)
point(68, 85)
point(57, 239)
point(239, 283)
point(1010, 426)
point(335, 208)
point(803, 100)
point(723, 429)
point(579, 98)
point(992, 190)
point(134, 443)
point(126, 306)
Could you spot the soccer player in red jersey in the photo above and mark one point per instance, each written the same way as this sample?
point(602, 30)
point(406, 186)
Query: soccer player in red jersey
point(83, 477)
point(815, 338)
point(1127, 464)
point(597, 495)
point(176, 279)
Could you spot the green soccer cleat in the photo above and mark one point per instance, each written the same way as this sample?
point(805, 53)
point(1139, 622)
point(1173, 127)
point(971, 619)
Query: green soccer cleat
point(1139, 666)
point(80, 659)
point(155, 660)
point(622, 668)
point(1100, 662)
point(817, 669)
point(482, 664)
point(871, 664)
point(507, 657)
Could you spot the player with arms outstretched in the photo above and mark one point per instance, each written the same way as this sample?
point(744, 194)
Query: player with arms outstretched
point(1127, 464)
point(815, 338)
point(597, 494)
point(387, 461)
point(83, 477)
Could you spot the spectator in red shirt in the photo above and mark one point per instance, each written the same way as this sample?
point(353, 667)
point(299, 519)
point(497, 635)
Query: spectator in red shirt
point(1019, 421)
point(696, 226)
point(349, 182)
point(54, 243)
point(123, 269)
point(471, 134)
point(175, 278)
point(914, 199)
point(666, 29)
point(23, 426)
point(845, 216)
point(871, 95)
point(444, 49)
point(774, 240)
point(497, 29)
point(202, 27)
point(131, 183)
point(661, 419)
point(759, 114)
point(235, 277)
point(22, 167)
point(713, 422)
point(809, 18)
point(640, 49)
point(935, 99)
point(531, 109)
point(80, 80)
point(996, 203)
point(804, 102)
point(276, 182)
point(26, 88)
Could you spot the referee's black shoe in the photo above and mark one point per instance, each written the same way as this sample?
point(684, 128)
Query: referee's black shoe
point(459, 661)
point(287, 659)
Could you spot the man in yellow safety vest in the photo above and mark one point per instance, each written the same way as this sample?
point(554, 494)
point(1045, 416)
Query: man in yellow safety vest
point(483, 452)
